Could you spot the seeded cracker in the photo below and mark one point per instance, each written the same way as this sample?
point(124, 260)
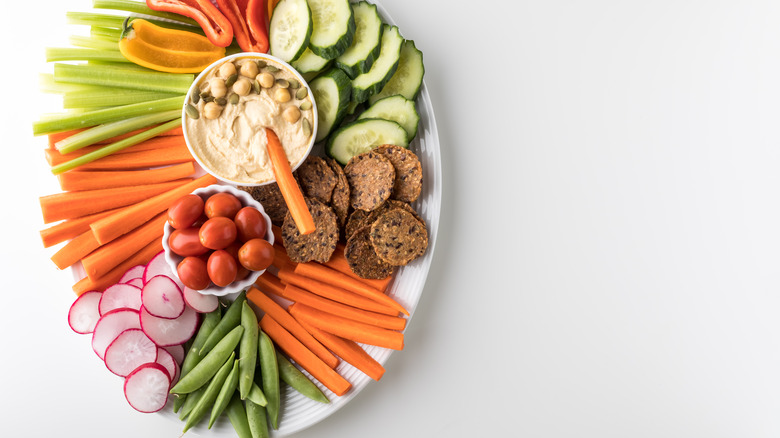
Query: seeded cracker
point(371, 178)
point(356, 220)
point(272, 200)
point(362, 259)
point(408, 172)
point(316, 178)
point(318, 245)
point(398, 237)
point(340, 200)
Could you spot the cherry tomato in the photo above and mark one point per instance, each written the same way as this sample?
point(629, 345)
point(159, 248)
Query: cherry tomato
point(256, 254)
point(250, 224)
point(233, 250)
point(222, 268)
point(193, 273)
point(222, 205)
point(217, 232)
point(185, 211)
point(186, 242)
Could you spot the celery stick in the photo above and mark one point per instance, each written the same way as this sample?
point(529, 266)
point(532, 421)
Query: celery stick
point(123, 78)
point(82, 54)
point(140, 8)
point(47, 84)
point(105, 32)
point(108, 130)
point(94, 42)
point(121, 65)
point(96, 97)
point(91, 118)
point(114, 147)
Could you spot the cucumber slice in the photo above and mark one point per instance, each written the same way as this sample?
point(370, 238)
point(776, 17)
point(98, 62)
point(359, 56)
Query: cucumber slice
point(408, 77)
point(334, 27)
point(396, 108)
point(290, 29)
point(371, 82)
point(363, 135)
point(331, 91)
point(309, 62)
point(359, 57)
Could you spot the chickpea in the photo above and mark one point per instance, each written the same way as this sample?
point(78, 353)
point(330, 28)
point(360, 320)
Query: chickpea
point(242, 87)
point(266, 80)
point(226, 69)
point(217, 87)
point(291, 114)
point(282, 95)
point(248, 69)
point(212, 110)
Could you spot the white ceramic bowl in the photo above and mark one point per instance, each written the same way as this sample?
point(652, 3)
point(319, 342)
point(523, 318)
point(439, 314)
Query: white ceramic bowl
point(246, 200)
point(195, 87)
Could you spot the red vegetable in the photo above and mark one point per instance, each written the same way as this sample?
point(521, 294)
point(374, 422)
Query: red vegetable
point(250, 224)
point(217, 233)
point(184, 212)
point(222, 204)
point(247, 17)
point(222, 268)
point(216, 26)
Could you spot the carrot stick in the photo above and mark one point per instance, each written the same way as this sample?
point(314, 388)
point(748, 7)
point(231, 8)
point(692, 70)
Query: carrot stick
point(277, 230)
point(339, 262)
point(104, 259)
point(142, 257)
point(57, 136)
point(289, 323)
point(309, 361)
point(281, 259)
point(69, 205)
point(302, 296)
point(70, 228)
point(331, 276)
point(348, 350)
point(334, 293)
point(89, 180)
point(268, 282)
point(111, 227)
point(292, 194)
point(347, 328)
point(55, 157)
point(75, 250)
point(150, 158)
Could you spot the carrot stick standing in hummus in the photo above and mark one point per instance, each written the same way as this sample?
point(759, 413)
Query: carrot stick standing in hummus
point(287, 185)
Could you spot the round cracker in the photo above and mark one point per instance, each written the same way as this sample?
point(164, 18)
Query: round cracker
point(362, 259)
point(320, 244)
point(271, 199)
point(408, 172)
point(371, 177)
point(316, 178)
point(340, 199)
point(398, 237)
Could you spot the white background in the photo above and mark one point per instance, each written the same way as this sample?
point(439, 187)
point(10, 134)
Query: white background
point(607, 260)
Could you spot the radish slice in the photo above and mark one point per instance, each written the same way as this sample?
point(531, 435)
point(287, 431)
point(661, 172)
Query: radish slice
point(202, 303)
point(137, 282)
point(162, 298)
point(166, 359)
point(158, 266)
point(177, 351)
point(120, 296)
point(83, 314)
point(131, 349)
point(165, 332)
point(146, 388)
point(110, 325)
point(136, 271)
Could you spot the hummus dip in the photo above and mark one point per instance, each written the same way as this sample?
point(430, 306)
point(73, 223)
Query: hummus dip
point(226, 116)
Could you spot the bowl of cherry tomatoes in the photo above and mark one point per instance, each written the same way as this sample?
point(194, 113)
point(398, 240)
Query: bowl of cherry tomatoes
point(218, 240)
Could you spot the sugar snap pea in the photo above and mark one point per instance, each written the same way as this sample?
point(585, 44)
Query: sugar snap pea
point(291, 375)
point(247, 350)
point(193, 356)
point(210, 394)
point(209, 365)
point(190, 401)
point(269, 371)
point(229, 321)
point(225, 393)
point(237, 414)
point(256, 417)
point(257, 395)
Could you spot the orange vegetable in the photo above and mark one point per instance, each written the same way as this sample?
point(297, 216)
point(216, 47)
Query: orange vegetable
point(75, 250)
point(347, 328)
point(92, 180)
point(55, 157)
point(268, 282)
point(309, 361)
point(69, 205)
point(331, 276)
point(349, 351)
point(292, 194)
point(339, 262)
point(70, 228)
point(280, 315)
point(111, 227)
point(164, 156)
point(55, 137)
point(142, 257)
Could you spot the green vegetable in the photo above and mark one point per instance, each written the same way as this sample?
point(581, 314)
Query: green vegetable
point(122, 77)
point(331, 91)
point(230, 320)
point(247, 350)
point(372, 81)
point(290, 29)
point(190, 401)
point(108, 130)
point(82, 54)
point(210, 364)
point(407, 78)
point(237, 414)
point(193, 357)
point(362, 135)
point(269, 370)
point(333, 26)
point(225, 394)
point(396, 108)
point(360, 56)
point(92, 96)
point(256, 417)
point(291, 375)
point(210, 394)
point(257, 395)
point(94, 42)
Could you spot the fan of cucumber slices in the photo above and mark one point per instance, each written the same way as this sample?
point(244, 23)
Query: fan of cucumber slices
point(364, 75)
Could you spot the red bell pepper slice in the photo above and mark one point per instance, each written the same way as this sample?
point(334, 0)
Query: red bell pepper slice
point(257, 21)
point(216, 26)
point(238, 12)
